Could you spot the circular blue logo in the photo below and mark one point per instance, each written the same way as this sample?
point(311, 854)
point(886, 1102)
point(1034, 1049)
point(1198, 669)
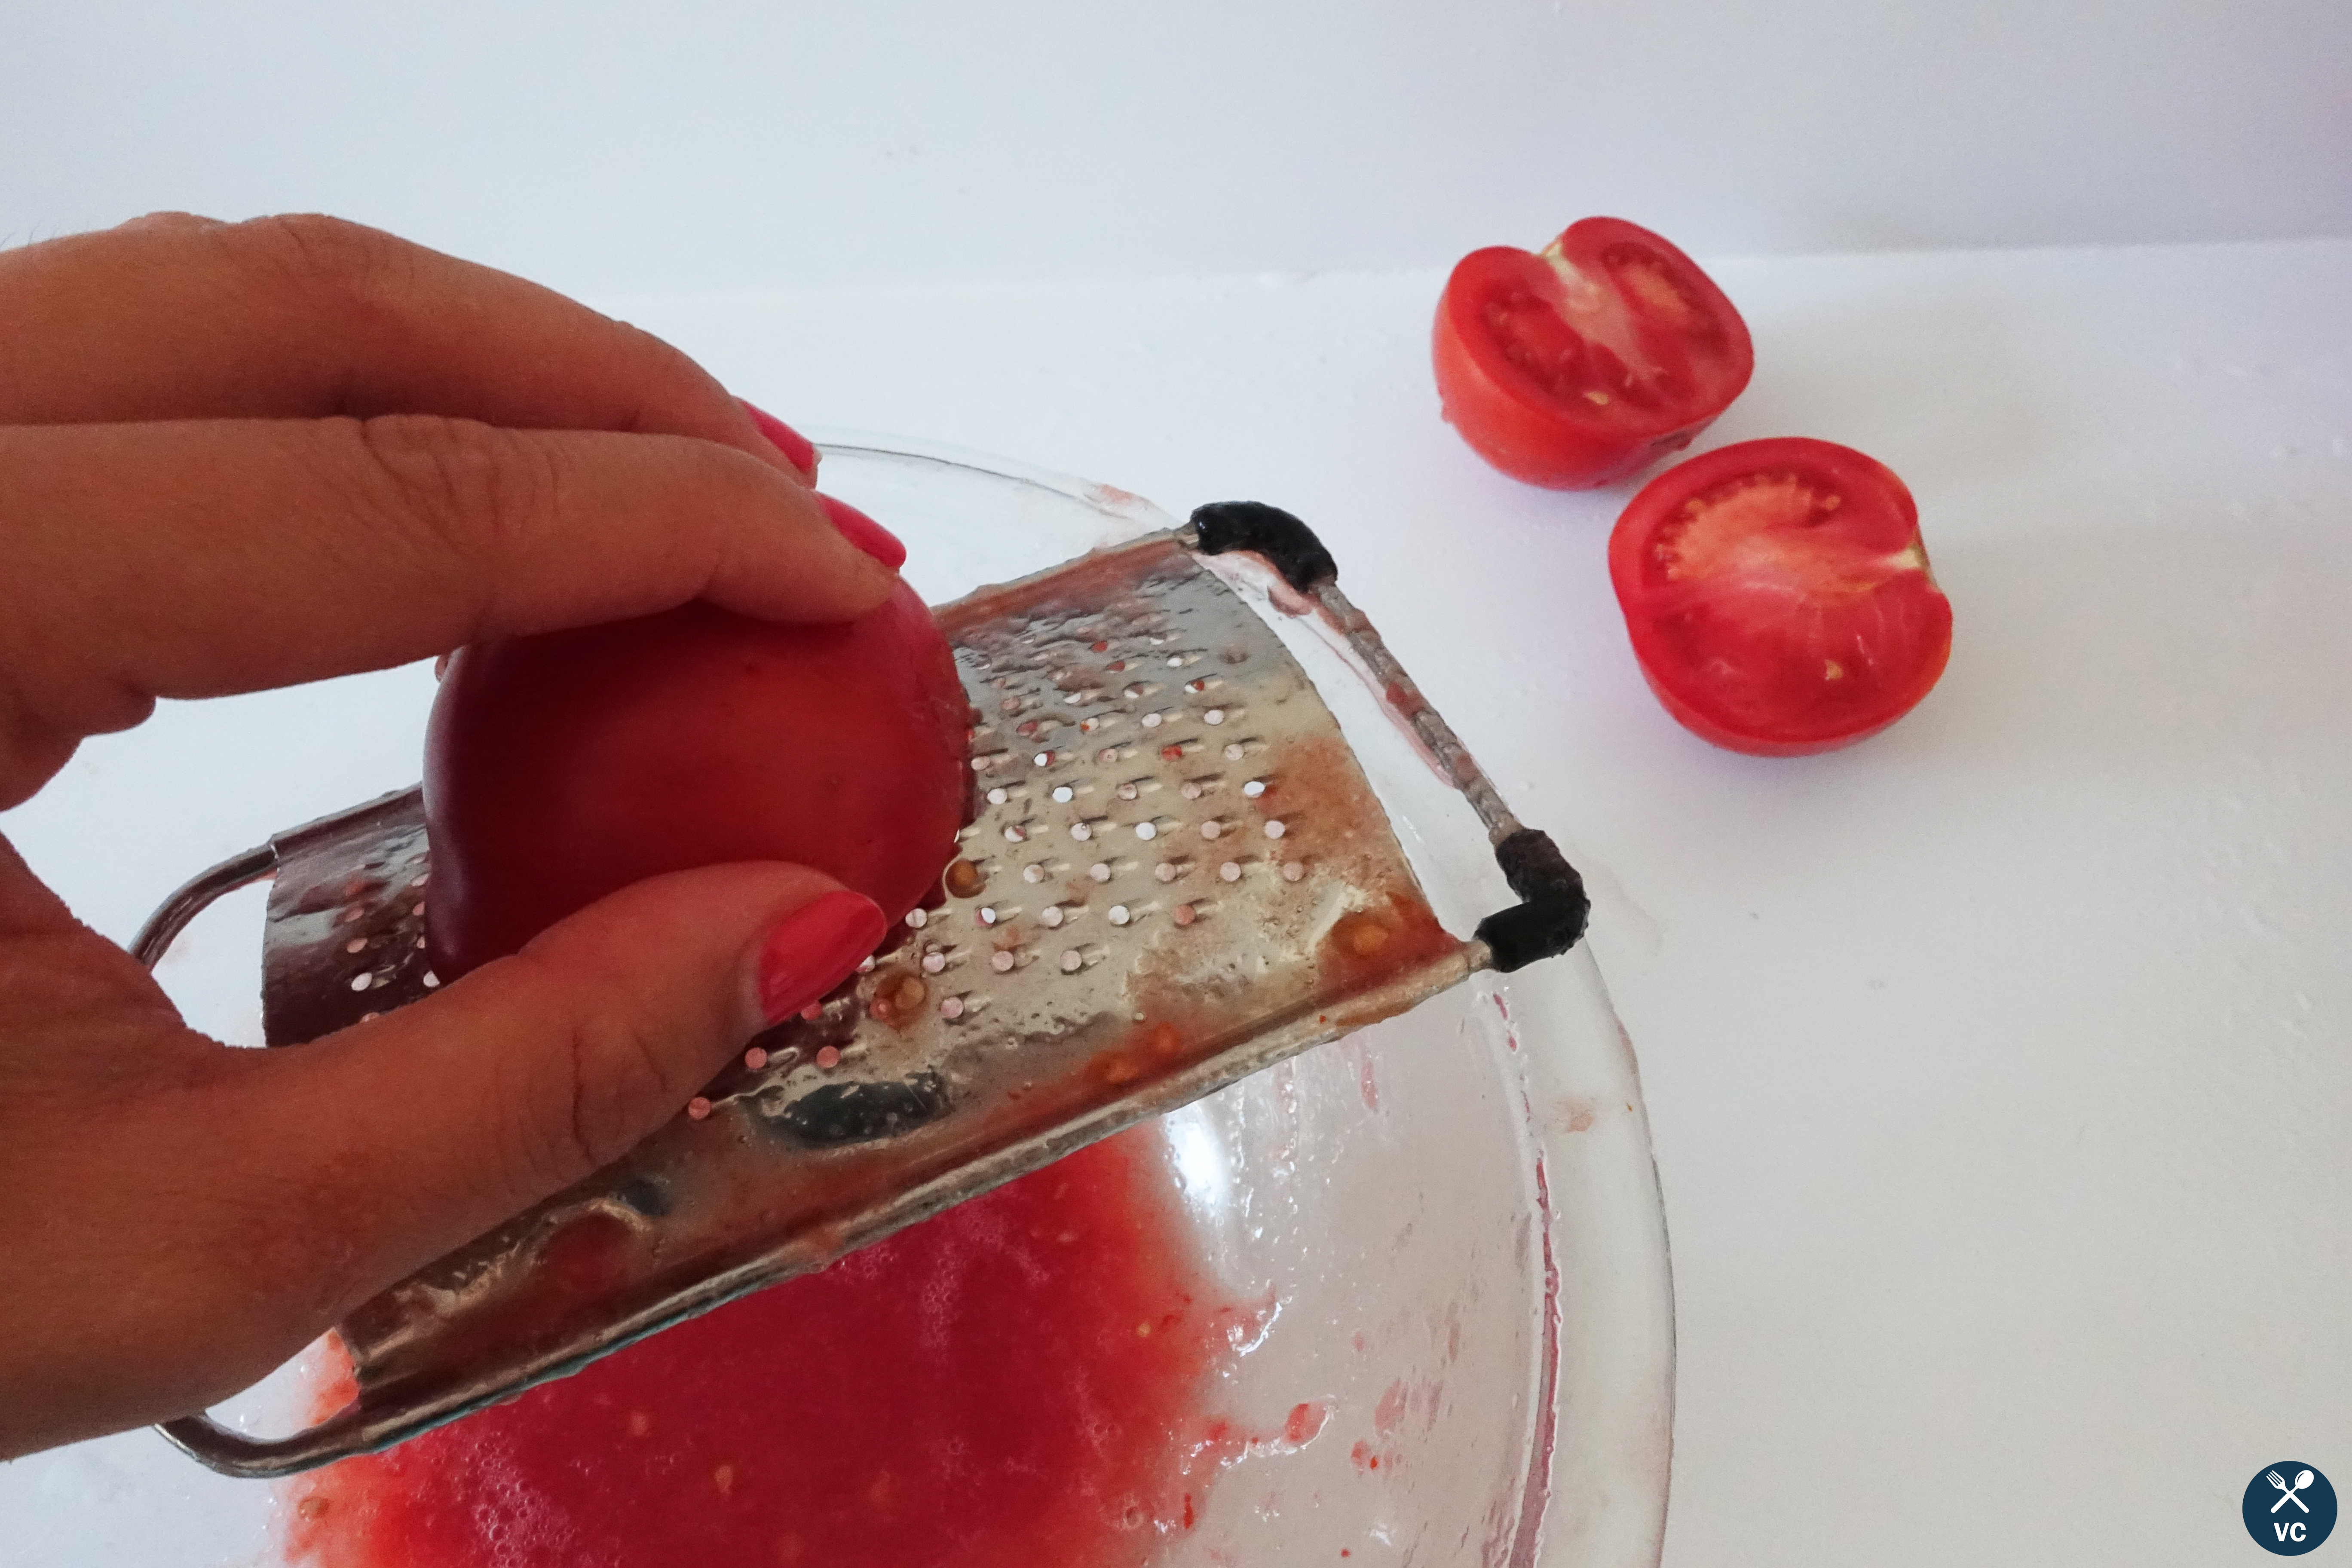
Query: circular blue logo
point(2289, 1508)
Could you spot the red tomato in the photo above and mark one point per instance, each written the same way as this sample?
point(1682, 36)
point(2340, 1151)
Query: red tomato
point(562, 767)
point(1779, 595)
point(1585, 364)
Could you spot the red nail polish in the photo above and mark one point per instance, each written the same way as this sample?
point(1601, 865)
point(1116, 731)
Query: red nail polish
point(814, 949)
point(797, 448)
point(865, 533)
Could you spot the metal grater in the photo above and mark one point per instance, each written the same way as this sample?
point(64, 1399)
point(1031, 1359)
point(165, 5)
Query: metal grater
point(1177, 873)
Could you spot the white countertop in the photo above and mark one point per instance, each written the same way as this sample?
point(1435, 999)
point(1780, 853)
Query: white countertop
point(1998, 1067)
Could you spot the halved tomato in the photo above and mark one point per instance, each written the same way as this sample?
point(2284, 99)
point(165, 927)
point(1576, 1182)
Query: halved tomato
point(1779, 595)
point(1586, 363)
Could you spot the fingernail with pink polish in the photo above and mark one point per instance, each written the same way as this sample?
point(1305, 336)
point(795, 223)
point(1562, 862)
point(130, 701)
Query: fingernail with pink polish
point(865, 533)
point(814, 949)
point(797, 448)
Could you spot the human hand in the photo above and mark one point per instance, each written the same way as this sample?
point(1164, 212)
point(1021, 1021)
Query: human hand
point(233, 456)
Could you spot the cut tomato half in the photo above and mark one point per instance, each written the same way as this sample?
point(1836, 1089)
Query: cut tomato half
point(1586, 363)
point(1779, 597)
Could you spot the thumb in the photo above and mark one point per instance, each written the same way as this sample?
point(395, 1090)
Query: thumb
point(432, 1124)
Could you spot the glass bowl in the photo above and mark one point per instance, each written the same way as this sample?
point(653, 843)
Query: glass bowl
point(1449, 1221)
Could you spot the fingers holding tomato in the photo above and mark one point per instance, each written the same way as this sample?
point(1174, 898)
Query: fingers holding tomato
point(562, 767)
point(1584, 364)
point(1779, 597)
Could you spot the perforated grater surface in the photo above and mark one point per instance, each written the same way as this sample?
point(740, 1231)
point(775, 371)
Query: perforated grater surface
point(1178, 873)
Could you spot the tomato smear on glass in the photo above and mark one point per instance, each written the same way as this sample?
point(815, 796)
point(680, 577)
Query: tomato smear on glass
point(1585, 363)
point(1779, 595)
point(1012, 1382)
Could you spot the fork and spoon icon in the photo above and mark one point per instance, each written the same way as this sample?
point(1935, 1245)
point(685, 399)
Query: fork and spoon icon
point(2302, 1480)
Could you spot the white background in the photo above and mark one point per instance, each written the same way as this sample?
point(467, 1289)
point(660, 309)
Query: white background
point(601, 145)
point(1998, 1067)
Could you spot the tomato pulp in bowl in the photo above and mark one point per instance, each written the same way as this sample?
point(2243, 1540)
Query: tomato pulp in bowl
point(1312, 1315)
point(1401, 1298)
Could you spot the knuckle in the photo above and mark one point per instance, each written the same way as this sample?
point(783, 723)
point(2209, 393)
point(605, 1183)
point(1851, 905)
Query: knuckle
point(322, 256)
point(169, 219)
point(463, 490)
point(663, 375)
point(619, 1083)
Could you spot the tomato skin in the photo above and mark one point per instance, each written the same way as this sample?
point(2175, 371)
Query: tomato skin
point(562, 767)
point(1779, 597)
point(1584, 365)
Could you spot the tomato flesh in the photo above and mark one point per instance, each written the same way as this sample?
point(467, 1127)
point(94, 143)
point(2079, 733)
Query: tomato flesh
point(1584, 365)
point(1779, 595)
point(562, 767)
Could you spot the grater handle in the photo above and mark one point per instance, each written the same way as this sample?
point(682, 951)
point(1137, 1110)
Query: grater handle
point(1550, 916)
point(1289, 546)
point(191, 897)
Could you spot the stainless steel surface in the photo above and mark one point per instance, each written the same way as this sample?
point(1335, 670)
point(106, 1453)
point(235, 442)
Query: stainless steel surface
point(172, 917)
point(1444, 748)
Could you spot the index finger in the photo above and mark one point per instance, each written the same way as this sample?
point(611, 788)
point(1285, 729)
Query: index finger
point(176, 317)
point(196, 558)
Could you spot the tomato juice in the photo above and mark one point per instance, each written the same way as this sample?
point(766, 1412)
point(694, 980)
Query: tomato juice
point(1015, 1382)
